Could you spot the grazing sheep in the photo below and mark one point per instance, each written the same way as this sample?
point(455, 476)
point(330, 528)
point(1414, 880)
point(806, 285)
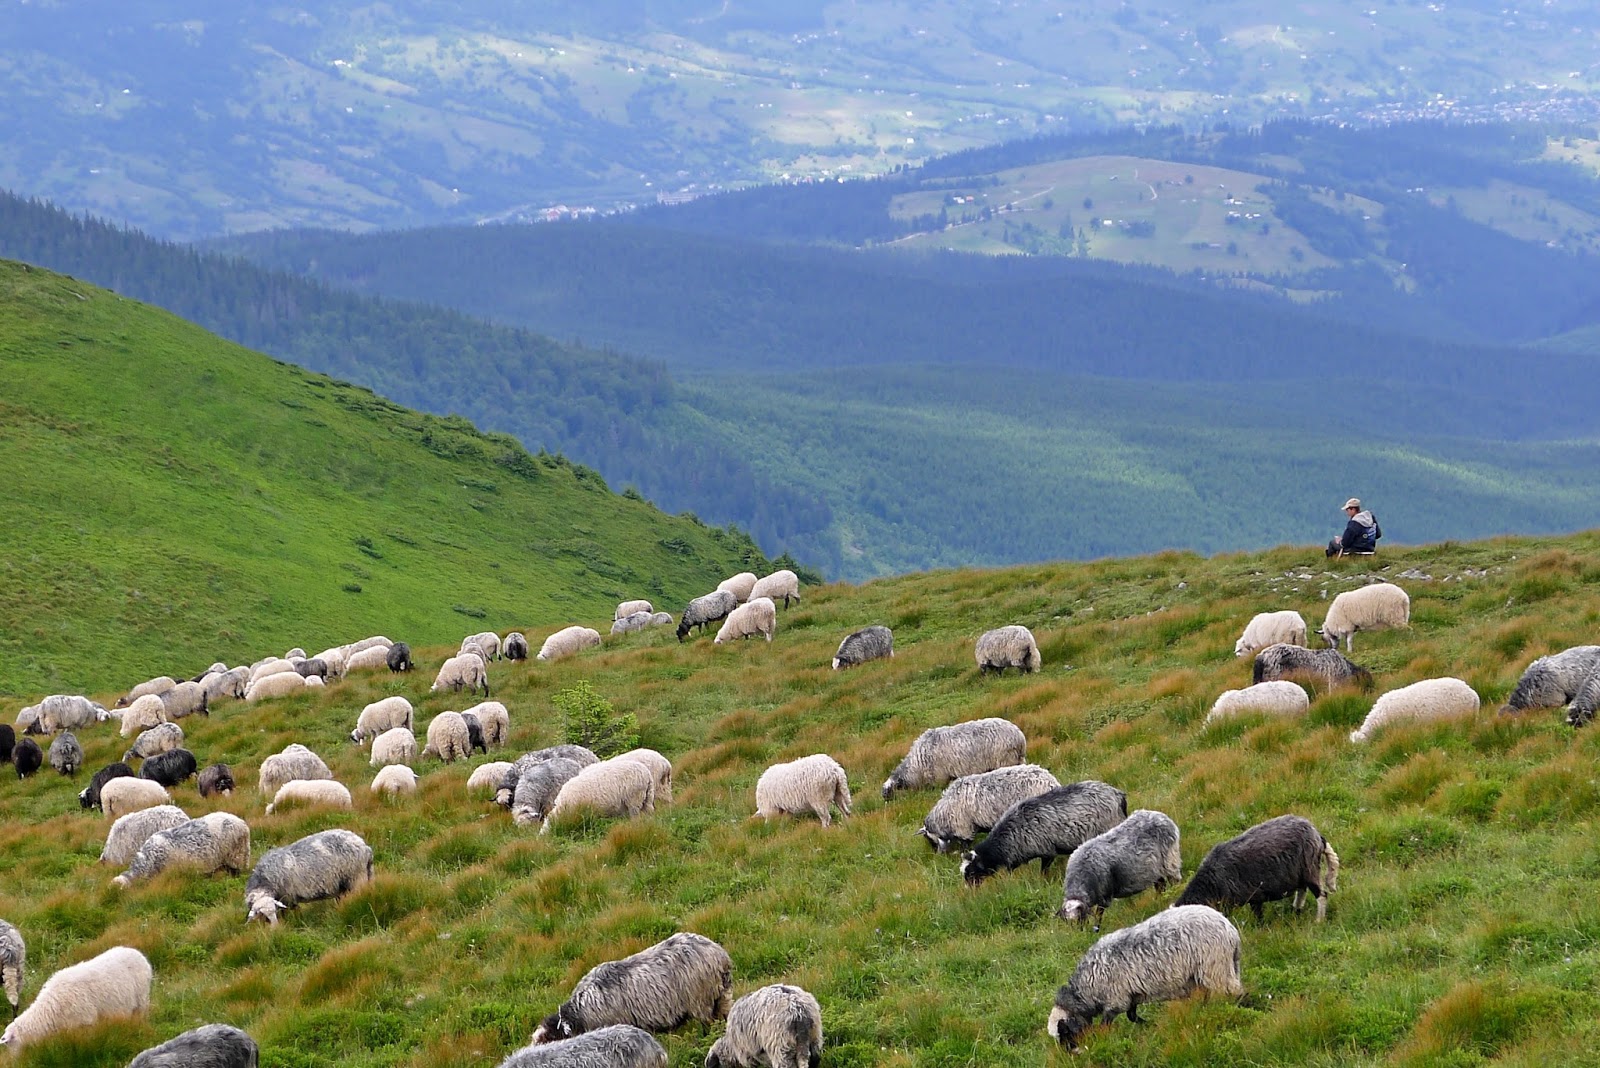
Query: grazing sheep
point(474, 733)
point(1049, 825)
point(123, 795)
point(1279, 698)
point(66, 755)
point(211, 1046)
point(114, 984)
point(1326, 666)
point(495, 719)
point(486, 640)
point(1376, 607)
point(324, 792)
point(397, 745)
point(219, 841)
point(14, 963)
point(536, 789)
point(708, 609)
point(322, 865)
point(377, 641)
point(398, 657)
point(869, 643)
point(660, 768)
point(1004, 647)
point(67, 712)
point(145, 712)
point(755, 616)
point(371, 658)
point(661, 619)
point(1167, 957)
point(130, 832)
point(567, 641)
point(739, 585)
point(943, 753)
point(527, 761)
point(381, 716)
point(488, 776)
point(1130, 858)
point(28, 721)
point(1572, 675)
point(169, 768)
point(1271, 628)
point(185, 699)
point(27, 757)
point(778, 1026)
point(216, 779)
point(616, 1046)
point(296, 653)
point(162, 738)
point(685, 977)
point(975, 803)
point(312, 668)
point(158, 685)
point(462, 671)
point(281, 684)
point(448, 738)
point(295, 762)
point(273, 665)
point(1281, 857)
point(8, 742)
point(89, 797)
point(220, 684)
point(785, 584)
point(394, 779)
point(628, 608)
point(472, 647)
point(637, 621)
point(1421, 702)
point(813, 783)
point(610, 788)
point(335, 658)
point(515, 646)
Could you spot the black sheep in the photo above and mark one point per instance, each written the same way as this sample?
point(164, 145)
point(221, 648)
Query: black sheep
point(8, 742)
point(90, 796)
point(1284, 856)
point(315, 666)
point(399, 658)
point(515, 647)
point(217, 779)
point(169, 768)
point(474, 733)
point(27, 756)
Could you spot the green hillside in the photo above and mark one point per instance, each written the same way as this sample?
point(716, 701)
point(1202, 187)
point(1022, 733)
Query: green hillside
point(1462, 932)
point(167, 492)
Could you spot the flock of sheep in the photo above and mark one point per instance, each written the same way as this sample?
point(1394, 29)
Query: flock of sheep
point(998, 810)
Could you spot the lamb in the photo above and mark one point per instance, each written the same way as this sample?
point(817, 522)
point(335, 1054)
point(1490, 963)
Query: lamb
point(369, 659)
point(617, 1046)
point(1283, 856)
point(1572, 675)
point(123, 795)
point(1004, 647)
point(397, 745)
point(739, 585)
point(1271, 628)
point(628, 608)
point(486, 640)
point(398, 658)
point(322, 865)
point(145, 712)
point(325, 792)
point(114, 984)
point(216, 779)
point(381, 716)
point(1167, 957)
point(610, 788)
point(1376, 607)
point(27, 757)
point(211, 1046)
point(219, 841)
point(785, 584)
point(685, 977)
point(169, 768)
point(708, 609)
point(89, 797)
point(777, 1026)
point(1326, 666)
point(527, 761)
point(1425, 701)
point(488, 776)
point(295, 762)
point(220, 684)
point(158, 685)
point(462, 671)
point(281, 684)
point(394, 779)
point(1130, 858)
point(943, 753)
point(495, 719)
point(637, 621)
point(975, 803)
point(567, 641)
point(1050, 825)
point(536, 789)
point(162, 738)
point(755, 616)
point(448, 738)
point(515, 646)
point(13, 965)
point(811, 784)
point(660, 768)
point(66, 755)
point(869, 643)
point(133, 830)
point(68, 712)
point(185, 699)
point(1279, 698)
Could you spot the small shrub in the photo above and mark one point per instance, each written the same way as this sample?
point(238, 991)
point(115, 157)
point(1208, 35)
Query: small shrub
point(589, 720)
point(351, 587)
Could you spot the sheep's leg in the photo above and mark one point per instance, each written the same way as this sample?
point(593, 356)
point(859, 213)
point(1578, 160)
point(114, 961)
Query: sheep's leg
point(1299, 899)
point(1322, 907)
point(1255, 907)
point(1133, 1010)
point(1044, 864)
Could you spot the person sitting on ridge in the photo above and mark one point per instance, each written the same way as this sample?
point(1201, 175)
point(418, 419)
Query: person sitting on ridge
point(1361, 532)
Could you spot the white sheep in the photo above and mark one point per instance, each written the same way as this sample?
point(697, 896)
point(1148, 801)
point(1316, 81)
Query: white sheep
point(812, 783)
point(335, 659)
point(397, 745)
point(128, 794)
point(69, 712)
point(1271, 628)
point(462, 671)
point(785, 584)
point(495, 720)
point(218, 841)
point(271, 666)
point(394, 779)
point(448, 738)
point(380, 716)
point(324, 792)
point(376, 641)
point(229, 683)
point(1010, 646)
point(567, 641)
point(758, 615)
point(130, 832)
point(280, 684)
point(610, 788)
point(628, 608)
point(371, 658)
point(114, 984)
point(1430, 699)
point(660, 768)
point(487, 640)
point(145, 712)
point(1280, 698)
point(295, 762)
point(158, 685)
point(739, 585)
point(488, 776)
point(1376, 607)
point(314, 682)
point(777, 1025)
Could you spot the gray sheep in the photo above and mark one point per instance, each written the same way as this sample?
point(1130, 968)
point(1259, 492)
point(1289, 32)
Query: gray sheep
point(527, 761)
point(943, 753)
point(185, 699)
point(1042, 828)
point(1005, 647)
point(1130, 858)
point(616, 1046)
point(67, 712)
point(685, 977)
point(162, 738)
point(712, 608)
point(315, 666)
point(322, 865)
point(515, 647)
point(869, 643)
point(130, 832)
point(169, 768)
point(974, 803)
point(399, 657)
point(89, 796)
point(1572, 675)
point(220, 684)
point(219, 841)
point(1273, 860)
point(66, 755)
point(1167, 957)
point(211, 1046)
point(216, 779)
point(536, 789)
point(777, 1026)
point(633, 622)
point(1327, 666)
point(13, 964)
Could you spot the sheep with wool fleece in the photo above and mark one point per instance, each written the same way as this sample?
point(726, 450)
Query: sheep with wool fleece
point(124, 795)
point(398, 658)
point(515, 646)
point(487, 776)
point(220, 684)
point(756, 616)
point(495, 719)
point(660, 768)
point(1326, 666)
point(13, 964)
point(218, 841)
point(975, 803)
point(211, 1046)
point(869, 643)
point(150, 687)
point(1277, 698)
point(448, 738)
point(610, 788)
point(684, 977)
point(397, 745)
point(162, 738)
point(1277, 858)
point(382, 715)
point(27, 757)
point(130, 832)
point(66, 755)
point(784, 583)
point(69, 712)
point(145, 712)
point(295, 762)
point(1421, 702)
point(567, 641)
point(1009, 646)
point(487, 640)
point(709, 608)
point(636, 621)
point(318, 866)
point(89, 796)
point(335, 658)
point(394, 779)
point(185, 699)
point(1046, 826)
point(615, 1046)
point(941, 754)
point(777, 1026)
point(271, 666)
point(1570, 677)
point(1287, 627)
point(628, 608)
point(114, 984)
point(464, 671)
point(739, 585)
point(280, 684)
point(537, 788)
point(216, 779)
point(527, 761)
point(1140, 852)
point(812, 783)
point(371, 658)
point(1379, 606)
point(169, 768)
point(327, 793)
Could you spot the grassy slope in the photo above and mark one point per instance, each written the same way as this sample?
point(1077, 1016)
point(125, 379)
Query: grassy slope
point(1463, 932)
point(166, 492)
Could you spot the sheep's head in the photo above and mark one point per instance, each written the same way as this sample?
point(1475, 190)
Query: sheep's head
point(892, 783)
point(1065, 1027)
point(973, 870)
point(555, 1027)
point(265, 907)
point(1073, 909)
